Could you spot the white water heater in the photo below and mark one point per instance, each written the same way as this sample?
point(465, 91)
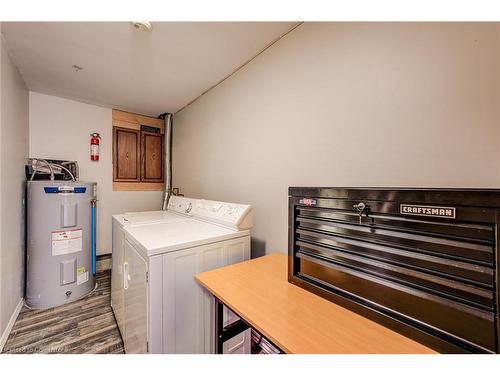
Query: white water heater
point(60, 262)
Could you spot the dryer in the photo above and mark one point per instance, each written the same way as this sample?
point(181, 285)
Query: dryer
point(160, 307)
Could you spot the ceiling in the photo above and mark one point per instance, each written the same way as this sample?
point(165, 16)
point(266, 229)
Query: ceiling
point(145, 72)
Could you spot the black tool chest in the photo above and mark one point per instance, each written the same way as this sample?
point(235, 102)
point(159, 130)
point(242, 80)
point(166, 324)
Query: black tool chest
point(423, 262)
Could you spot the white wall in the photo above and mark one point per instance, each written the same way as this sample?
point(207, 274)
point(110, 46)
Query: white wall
point(60, 129)
point(346, 104)
point(13, 154)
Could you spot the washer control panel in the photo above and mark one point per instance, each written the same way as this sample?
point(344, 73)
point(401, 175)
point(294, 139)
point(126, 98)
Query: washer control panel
point(182, 205)
point(237, 216)
point(233, 215)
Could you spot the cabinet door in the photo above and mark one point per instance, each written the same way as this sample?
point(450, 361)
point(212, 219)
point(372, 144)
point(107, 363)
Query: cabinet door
point(126, 155)
point(152, 157)
point(182, 326)
point(188, 308)
point(136, 302)
point(211, 257)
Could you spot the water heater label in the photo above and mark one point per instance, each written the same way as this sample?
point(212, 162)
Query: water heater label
point(82, 276)
point(66, 242)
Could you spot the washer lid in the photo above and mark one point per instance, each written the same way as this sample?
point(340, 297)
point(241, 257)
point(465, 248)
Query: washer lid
point(152, 217)
point(160, 238)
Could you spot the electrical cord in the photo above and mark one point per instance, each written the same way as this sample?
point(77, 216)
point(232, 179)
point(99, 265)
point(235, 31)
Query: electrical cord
point(35, 169)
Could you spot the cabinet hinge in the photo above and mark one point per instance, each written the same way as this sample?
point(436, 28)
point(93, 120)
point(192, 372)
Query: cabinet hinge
point(147, 346)
point(147, 277)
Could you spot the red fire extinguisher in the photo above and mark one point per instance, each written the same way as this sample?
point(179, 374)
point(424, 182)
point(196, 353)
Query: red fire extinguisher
point(94, 146)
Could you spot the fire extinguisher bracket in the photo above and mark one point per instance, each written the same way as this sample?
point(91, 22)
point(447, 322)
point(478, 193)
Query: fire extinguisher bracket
point(94, 146)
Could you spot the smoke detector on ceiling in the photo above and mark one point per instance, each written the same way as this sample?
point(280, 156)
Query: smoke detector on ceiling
point(142, 25)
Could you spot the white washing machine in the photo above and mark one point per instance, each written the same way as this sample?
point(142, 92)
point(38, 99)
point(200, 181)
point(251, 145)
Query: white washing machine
point(179, 210)
point(159, 306)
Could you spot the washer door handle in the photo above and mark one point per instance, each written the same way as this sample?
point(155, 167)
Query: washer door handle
point(126, 276)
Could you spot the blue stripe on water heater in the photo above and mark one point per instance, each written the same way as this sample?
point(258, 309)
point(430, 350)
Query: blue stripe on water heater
point(64, 189)
point(51, 190)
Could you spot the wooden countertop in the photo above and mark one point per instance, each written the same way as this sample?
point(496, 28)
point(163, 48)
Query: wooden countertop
point(294, 319)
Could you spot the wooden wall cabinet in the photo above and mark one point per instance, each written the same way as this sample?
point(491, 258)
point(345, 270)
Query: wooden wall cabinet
point(138, 155)
point(126, 154)
point(152, 157)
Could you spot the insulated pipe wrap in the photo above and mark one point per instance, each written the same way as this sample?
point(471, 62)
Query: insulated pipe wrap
point(169, 118)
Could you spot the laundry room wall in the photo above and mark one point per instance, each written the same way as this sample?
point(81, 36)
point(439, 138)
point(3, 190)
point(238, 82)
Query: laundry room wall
point(60, 129)
point(13, 154)
point(346, 104)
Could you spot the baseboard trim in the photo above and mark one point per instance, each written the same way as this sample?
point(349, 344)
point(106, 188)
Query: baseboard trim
point(6, 332)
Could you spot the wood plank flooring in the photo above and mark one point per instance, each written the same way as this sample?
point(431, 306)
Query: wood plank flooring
point(84, 326)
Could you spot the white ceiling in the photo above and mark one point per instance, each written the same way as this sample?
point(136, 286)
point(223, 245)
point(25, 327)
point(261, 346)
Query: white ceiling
point(146, 72)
